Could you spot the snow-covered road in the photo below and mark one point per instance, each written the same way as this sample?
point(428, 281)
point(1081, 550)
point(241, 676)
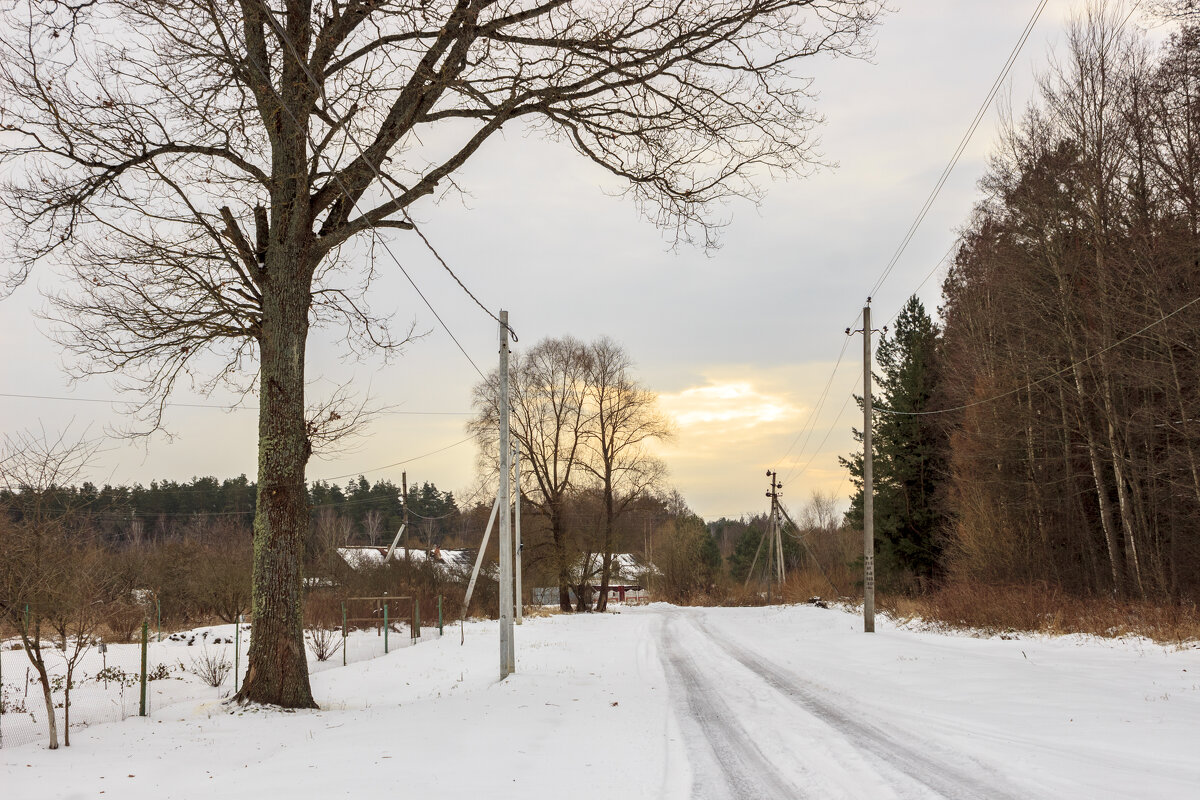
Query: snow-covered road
point(664, 702)
point(833, 748)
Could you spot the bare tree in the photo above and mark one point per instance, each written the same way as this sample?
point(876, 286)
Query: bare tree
point(624, 420)
point(200, 167)
point(34, 568)
point(548, 401)
point(373, 525)
point(75, 613)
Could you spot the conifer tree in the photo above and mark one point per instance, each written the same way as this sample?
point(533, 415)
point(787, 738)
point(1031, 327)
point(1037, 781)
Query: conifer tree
point(910, 452)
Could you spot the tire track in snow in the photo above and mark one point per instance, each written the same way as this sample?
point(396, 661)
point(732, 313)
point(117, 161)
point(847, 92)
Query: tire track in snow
point(731, 755)
point(948, 780)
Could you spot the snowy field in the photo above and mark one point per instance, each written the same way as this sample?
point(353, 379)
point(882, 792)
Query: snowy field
point(664, 702)
point(106, 686)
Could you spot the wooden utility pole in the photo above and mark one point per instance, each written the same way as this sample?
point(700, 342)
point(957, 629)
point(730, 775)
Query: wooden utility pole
point(868, 479)
point(507, 651)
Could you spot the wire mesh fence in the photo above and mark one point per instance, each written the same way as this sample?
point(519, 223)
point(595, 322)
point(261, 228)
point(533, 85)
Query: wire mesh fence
point(197, 665)
point(104, 686)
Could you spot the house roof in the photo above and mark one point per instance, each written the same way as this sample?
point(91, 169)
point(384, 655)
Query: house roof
point(626, 568)
point(363, 557)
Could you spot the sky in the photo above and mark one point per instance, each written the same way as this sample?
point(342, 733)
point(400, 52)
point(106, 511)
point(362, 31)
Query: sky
point(739, 343)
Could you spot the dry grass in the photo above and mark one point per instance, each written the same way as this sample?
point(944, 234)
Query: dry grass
point(997, 609)
point(533, 612)
point(1044, 609)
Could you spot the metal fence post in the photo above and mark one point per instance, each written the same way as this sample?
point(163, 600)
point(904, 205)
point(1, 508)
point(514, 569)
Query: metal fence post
point(145, 640)
point(385, 627)
point(417, 617)
point(343, 634)
point(440, 629)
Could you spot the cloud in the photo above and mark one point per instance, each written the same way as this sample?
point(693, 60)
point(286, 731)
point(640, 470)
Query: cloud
point(726, 407)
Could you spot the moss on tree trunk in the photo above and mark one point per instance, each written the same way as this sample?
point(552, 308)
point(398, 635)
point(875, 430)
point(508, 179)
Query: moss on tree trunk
point(277, 667)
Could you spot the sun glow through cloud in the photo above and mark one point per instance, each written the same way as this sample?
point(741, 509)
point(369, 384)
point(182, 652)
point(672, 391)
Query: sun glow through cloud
point(726, 406)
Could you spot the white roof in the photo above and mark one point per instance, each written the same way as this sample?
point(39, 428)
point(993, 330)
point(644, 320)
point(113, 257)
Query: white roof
point(360, 557)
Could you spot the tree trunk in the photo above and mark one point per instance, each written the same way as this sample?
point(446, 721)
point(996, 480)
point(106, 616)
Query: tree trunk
point(51, 722)
point(67, 708)
point(607, 550)
point(277, 670)
point(33, 649)
point(1133, 561)
point(605, 577)
point(1102, 498)
point(564, 566)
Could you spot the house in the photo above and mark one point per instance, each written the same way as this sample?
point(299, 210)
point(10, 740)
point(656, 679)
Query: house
point(456, 562)
point(626, 584)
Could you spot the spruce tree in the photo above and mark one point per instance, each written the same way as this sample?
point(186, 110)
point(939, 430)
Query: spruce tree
point(910, 452)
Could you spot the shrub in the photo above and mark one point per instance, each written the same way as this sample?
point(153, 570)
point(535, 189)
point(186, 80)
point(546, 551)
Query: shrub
point(324, 642)
point(211, 667)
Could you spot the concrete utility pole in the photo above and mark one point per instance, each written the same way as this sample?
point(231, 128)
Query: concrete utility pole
point(868, 479)
point(507, 651)
point(404, 527)
point(517, 526)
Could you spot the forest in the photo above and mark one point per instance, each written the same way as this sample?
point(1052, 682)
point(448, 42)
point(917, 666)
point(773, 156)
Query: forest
point(1043, 433)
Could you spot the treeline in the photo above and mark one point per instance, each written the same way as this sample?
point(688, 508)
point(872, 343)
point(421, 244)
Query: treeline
point(366, 512)
point(1048, 432)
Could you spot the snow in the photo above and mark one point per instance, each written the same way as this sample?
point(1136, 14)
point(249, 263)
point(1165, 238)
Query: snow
point(665, 702)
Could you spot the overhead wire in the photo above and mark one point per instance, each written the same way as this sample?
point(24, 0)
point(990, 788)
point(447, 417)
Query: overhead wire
point(336, 177)
point(217, 406)
point(828, 432)
point(920, 217)
point(398, 463)
point(962, 146)
point(1044, 378)
point(809, 425)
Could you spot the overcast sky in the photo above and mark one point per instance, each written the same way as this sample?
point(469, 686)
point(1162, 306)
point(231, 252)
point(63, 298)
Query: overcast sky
point(739, 343)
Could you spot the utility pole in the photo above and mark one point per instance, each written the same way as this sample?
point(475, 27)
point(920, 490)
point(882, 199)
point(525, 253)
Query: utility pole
point(404, 491)
point(868, 478)
point(507, 652)
point(774, 537)
point(517, 519)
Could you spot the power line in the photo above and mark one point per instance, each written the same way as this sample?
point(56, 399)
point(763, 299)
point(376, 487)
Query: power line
point(926, 206)
point(828, 432)
point(809, 426)
point(350, 197)
point(1044, 378)
point(220, 406)
point(398, 463)
point(940, 262)
point(320, 89)
point(962, 145)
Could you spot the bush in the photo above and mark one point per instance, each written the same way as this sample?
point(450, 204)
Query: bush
point(689, 562)
point(211, 667)
point(324, 642)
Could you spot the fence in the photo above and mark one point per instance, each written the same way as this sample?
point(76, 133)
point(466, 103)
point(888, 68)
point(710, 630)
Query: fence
point(107, 683)
point(110, 681)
